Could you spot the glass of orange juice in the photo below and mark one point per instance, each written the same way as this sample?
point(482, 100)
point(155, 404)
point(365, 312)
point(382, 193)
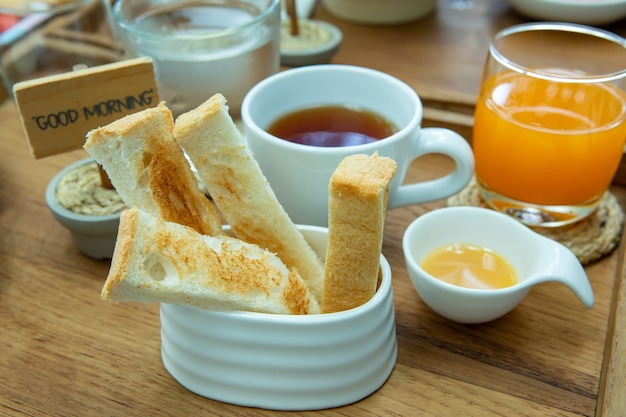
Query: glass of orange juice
point(550, 121)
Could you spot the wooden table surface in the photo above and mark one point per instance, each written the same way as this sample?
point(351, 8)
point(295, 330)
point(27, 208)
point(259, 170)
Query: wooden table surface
point(64, 352)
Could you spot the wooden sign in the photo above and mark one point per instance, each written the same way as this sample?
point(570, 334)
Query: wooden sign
point(57, 111)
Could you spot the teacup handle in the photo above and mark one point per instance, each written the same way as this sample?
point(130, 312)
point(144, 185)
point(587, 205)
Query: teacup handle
point(443, 141)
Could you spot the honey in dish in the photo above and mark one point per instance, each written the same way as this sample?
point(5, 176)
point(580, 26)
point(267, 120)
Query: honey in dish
point(470, 266)
point(333, 125)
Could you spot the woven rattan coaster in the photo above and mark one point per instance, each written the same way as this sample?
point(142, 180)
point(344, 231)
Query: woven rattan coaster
point(590, 239)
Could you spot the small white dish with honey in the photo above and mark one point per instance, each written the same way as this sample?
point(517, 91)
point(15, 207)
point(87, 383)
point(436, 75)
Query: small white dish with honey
point(483, 263)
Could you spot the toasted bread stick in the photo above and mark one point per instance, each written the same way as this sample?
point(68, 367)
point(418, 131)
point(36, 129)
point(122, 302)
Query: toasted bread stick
point(359, 190)
point(240, 190)
point(158, 261)
point(149, 170)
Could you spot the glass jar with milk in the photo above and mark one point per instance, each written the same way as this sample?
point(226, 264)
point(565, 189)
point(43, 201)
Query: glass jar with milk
point(202, 47)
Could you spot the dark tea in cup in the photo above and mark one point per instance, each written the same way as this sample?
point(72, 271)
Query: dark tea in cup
point(332, 126)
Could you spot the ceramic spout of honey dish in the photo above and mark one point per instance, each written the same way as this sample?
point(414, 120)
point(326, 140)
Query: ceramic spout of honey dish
point(284, 362)
point(473, 265)
point(90, 212)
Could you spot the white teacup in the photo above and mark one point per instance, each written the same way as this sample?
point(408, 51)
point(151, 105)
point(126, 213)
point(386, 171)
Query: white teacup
point(299, 174)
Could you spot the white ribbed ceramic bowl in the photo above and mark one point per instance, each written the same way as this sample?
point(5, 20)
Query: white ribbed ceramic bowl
point(283, 362)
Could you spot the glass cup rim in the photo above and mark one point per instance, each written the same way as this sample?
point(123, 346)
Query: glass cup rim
point(233, 30)
point(560, 27)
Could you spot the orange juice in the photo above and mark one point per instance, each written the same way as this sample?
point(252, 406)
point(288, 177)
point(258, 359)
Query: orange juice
point(548, 143)
point(470, 266)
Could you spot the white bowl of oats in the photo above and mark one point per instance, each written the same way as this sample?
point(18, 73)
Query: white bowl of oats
point(90, 211)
